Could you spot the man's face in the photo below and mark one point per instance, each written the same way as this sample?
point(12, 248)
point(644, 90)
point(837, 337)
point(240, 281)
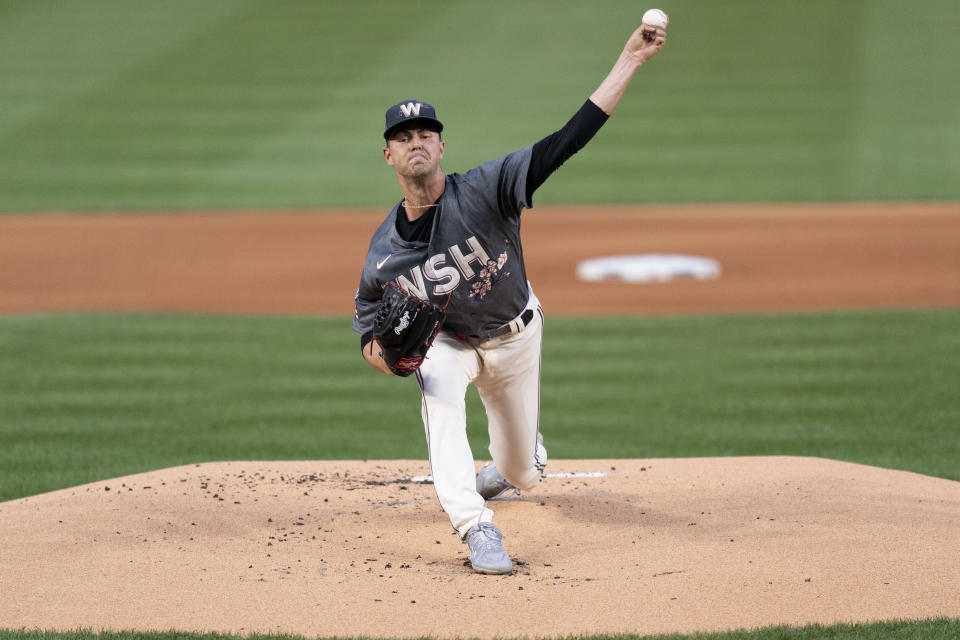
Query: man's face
point(414, 152)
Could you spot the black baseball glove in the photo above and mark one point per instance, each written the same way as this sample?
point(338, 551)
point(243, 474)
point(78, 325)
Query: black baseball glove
point(405, 327)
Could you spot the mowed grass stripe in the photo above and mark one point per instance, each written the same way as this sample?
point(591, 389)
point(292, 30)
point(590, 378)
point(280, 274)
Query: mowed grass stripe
point(833, 385)
point(936, 629)
point(91, 396)
point(255, 104)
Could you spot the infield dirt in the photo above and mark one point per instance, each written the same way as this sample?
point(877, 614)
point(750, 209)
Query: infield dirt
point(774, 257)
point(359, 548)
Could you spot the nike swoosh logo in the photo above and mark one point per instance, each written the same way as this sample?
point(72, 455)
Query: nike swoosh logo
point(384, 261)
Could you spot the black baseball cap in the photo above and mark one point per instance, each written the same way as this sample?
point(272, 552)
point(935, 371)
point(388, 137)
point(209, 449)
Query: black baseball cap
point(409, 111)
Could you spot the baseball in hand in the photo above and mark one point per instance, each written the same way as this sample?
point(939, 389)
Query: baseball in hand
point(656, 18)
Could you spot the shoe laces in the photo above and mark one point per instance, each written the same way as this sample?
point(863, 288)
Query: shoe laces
point(489, 533)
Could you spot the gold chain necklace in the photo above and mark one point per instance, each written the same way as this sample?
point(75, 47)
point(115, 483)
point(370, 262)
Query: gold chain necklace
point(416, 206)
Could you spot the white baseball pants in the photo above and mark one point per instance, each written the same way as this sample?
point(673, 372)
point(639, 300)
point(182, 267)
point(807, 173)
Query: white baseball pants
point(506, 372)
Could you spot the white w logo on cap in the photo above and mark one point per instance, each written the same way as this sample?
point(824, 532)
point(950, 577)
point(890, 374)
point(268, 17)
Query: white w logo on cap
point(411, 108)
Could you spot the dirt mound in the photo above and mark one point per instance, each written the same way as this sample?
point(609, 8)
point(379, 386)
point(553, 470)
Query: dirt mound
point(360, 548)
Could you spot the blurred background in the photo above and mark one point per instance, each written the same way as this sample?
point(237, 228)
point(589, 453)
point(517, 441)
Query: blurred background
point(210, 104)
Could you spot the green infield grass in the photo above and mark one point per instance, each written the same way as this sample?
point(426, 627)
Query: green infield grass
point(939, 629)
point(92, 396)
point(187, 104)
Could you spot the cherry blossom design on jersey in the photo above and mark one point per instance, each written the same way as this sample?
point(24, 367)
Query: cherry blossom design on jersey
point(489, 276)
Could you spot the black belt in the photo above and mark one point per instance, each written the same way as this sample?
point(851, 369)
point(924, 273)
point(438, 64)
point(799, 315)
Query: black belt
point(514, 326)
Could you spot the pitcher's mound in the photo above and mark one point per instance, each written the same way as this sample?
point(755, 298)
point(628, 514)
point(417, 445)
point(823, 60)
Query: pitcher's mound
point(356, 548)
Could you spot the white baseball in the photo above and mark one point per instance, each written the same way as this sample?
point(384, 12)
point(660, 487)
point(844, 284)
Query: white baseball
point(656, 18)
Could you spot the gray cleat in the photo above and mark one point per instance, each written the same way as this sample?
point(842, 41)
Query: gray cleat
point(492, 485)
point(486, 552)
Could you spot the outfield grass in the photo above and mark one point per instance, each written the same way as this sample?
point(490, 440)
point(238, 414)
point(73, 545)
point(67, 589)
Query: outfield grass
point(112, 105)
point(92, 396)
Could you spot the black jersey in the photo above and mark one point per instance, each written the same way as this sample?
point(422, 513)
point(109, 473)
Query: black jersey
point(473, 259)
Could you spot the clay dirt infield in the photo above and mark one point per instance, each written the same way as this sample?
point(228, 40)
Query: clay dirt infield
point(359, 548)
point(773, 257)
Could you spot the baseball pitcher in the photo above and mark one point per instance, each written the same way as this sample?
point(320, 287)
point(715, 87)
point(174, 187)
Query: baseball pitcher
point(444, 297)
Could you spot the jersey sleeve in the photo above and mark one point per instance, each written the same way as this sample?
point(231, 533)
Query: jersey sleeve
point(550, 153)
point(502, 183)
point(365, 310)
point(367, 297)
